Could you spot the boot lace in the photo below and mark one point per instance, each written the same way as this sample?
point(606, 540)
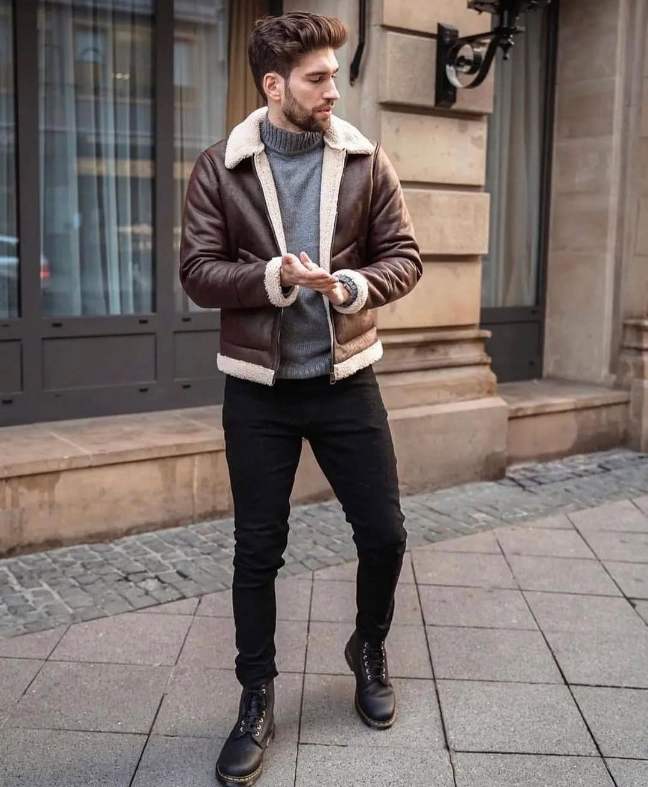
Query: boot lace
point(374, 660)
point(254, 712)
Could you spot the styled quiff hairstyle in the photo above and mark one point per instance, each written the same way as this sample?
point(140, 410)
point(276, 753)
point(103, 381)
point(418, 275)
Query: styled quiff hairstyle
point(277, 42)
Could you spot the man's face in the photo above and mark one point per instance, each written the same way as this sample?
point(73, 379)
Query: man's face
point(309, 93)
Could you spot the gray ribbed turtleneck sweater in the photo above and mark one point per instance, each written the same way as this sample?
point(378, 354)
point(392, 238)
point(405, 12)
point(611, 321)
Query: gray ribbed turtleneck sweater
point(296, 163)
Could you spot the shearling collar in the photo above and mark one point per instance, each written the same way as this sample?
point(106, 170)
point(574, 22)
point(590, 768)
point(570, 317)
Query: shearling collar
point(245, 139)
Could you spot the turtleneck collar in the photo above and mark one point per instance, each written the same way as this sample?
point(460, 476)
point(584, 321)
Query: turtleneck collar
point(289, 143)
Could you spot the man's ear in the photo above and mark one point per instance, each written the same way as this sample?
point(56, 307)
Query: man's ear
point(272, 85)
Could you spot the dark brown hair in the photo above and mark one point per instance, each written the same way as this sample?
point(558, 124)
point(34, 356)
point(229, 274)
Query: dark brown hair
point(277, 42)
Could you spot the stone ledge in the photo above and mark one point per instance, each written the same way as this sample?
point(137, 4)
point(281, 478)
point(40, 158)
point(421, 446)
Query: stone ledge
point(94, 442)
point(554, 418)
point(537, 397)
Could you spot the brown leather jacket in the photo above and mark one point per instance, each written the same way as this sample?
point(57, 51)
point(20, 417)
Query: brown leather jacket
point(233, 239)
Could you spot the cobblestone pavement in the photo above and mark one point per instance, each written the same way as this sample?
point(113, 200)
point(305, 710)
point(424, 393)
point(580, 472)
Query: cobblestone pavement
point(44, 590)
point(518, 657)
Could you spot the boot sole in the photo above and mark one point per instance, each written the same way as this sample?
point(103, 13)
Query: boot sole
point(376, 725)
point(237, 781)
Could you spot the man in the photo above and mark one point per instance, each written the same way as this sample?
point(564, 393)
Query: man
point(295, 227)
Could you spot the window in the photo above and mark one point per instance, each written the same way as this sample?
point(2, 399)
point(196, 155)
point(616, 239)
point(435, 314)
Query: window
point(96, 156)
point(514, 170)
point(200, 89)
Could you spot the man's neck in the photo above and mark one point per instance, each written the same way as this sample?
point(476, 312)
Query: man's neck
point(278, 119)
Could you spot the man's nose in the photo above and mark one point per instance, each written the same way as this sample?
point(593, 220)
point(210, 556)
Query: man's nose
point(332, 93)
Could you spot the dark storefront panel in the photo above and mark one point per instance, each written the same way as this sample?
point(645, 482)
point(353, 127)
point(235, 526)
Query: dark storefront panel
point(110, 116)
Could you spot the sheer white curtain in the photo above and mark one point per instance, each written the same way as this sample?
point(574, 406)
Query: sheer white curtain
point(96, 155)
point(200, 79)
point(514, 170)
point(8, 231)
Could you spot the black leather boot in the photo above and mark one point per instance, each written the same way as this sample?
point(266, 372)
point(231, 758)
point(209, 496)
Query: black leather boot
point(241, 759)
point(375, 700)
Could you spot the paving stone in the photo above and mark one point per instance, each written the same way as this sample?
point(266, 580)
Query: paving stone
point(348, 571)
point(328, 766)
point(513, 717)
point(211, 644)
point(602, 658)
point(189, 762)
point(632, 577)
point(554, 522)
point(642, 609)
point(126, 639)
point(184, 606)
point(620, 515)
point(549, 543)
point(15, 676)
point(618, 719)
point(93, 697)
point(561, 574)
point(629, 773)
point(478, 542)
point(204, 703)
point(529, 770)
point(32, 646)
point(329, 717)
point(335, 601)
point(480, 607)
point(406, 650)
point(292, 594)
point(464, 569)
point(566, 612)
point(63, 758)
point(491, 654)
point(632, 547)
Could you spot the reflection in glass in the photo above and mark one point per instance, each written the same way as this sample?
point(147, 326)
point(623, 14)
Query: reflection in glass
point(96, 155)
point(9, 306)
point(514, 170)
point(200, 78)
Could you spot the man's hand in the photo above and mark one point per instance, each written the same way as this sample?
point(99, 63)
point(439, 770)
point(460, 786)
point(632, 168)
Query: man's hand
point(305, 272)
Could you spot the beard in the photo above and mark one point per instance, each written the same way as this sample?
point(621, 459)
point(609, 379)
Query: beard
point(301, 117)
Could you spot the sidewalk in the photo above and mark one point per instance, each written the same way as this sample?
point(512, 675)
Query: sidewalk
point(78, 583)
point(519, 655)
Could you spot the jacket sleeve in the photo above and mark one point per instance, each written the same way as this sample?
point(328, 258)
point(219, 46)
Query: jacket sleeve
point(208, 274)
point(393, 265)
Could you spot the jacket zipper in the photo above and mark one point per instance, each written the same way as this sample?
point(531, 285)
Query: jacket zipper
point(327, 303)
point(274, 234)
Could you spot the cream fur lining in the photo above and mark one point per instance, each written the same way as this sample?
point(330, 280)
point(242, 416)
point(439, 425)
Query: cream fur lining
point(361, 283)
point(358, 361)
point(245, 139)
point(245, 370)
point(269, 189)
point(272, 282)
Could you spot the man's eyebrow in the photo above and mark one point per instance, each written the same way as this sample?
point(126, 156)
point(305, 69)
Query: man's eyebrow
point(320, 73)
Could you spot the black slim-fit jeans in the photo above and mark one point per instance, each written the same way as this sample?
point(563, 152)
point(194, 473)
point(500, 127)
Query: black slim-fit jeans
point(346, 426)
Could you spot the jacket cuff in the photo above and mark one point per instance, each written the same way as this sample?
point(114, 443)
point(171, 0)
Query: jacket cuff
point(272, 282)
point(362, 288)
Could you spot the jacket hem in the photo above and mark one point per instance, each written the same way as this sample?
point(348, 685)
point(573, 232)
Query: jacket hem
point(245, 370)
point(358, 361)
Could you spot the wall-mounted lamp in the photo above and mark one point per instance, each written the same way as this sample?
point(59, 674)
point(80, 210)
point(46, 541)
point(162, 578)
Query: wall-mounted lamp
point(472, 55)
